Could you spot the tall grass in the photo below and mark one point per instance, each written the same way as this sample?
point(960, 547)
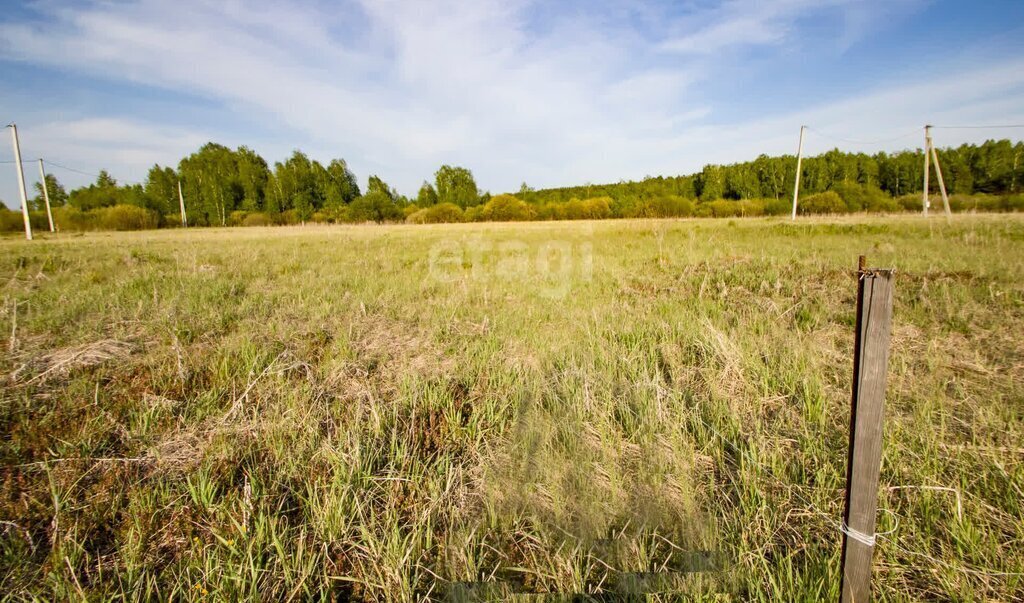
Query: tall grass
point(411, 412)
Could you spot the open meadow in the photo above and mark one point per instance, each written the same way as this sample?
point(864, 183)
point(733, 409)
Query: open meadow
point(469, 411)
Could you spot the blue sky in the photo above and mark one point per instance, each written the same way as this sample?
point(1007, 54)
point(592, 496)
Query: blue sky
point(552, 94)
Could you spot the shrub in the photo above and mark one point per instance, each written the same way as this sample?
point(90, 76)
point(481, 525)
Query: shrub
point(374, 206)
point(39, 220)
point(702, 210)
point(573, 210)
point(506, 208)
point(964, 202)
point(881, 203)
point(126, 217)
point(720, 208)
point(669, 206)
point(70, 218)
point(828, 202)
point(861, 197)
point(437, 214)
point(551, 211)
point(1014, 202)
point(10, 220)
point(257, 218)
point(777, 207)
point(910, 201)
point(723, 208)
point(751, 207)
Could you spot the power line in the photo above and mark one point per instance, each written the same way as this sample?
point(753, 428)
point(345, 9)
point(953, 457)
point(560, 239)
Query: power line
point(84, 173)
point(979, 127)
point(70, 169)
point(863, 142)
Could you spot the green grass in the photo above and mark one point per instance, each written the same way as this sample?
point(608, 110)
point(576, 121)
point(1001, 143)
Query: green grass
point(409, 412)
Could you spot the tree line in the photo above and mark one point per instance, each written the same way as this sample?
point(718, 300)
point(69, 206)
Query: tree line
point(228, 187)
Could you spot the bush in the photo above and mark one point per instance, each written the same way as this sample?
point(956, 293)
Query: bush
point(669, 206)
point(751, 207)
point(859, 197)
point(723, 208)
point(598, 208)
point(126, 217)
point(828, 202)
point(882, 204)
point(374, 206)
point(702, 210)
point(257, 218)
point(720, 208)
point(777, 207)
point(69, 218)
point(10, 220)
point(506, 208)
point(551, 211)
point(237, 217)
point(437, 214)
point(1014, 202)
point(910, 201)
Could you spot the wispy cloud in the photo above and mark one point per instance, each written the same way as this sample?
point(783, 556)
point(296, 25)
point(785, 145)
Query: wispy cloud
point(397, 87)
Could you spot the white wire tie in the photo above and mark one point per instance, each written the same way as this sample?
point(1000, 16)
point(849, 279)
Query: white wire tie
point(861, 537)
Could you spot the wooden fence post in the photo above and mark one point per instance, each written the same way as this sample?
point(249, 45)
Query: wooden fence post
point(870, 360)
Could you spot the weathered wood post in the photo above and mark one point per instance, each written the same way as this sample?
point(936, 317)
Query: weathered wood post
point(870, 360)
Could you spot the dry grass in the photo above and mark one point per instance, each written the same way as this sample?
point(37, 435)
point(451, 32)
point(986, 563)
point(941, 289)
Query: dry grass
point(58, 363)
point(338, 413)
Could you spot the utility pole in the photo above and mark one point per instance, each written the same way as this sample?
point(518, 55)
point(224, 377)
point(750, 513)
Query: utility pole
point(927, 149)
point(181, 202)
point(938, 174)
point(46, 195)
point(21, 182)
point(930, 154)
point(796, 181)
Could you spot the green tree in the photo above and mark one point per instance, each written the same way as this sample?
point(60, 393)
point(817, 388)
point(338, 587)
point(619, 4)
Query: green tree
point(375, 206)
point(253, 176)
point(103, 193)
point(297, 184)
point(427, 197)
point(456, 185)
point(211, 183)
point(55, 190)
point(711, 183)
point(376, 185)
point(162, 190)
point(342, 187)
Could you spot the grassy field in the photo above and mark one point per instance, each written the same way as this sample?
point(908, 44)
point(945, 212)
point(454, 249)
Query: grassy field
point(472, 411)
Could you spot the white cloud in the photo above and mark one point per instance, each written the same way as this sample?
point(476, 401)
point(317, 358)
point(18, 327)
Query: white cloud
point(751, 23)
point(399, 87)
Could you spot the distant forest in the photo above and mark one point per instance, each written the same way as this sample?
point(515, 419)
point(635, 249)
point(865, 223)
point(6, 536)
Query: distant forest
point(225, 187)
